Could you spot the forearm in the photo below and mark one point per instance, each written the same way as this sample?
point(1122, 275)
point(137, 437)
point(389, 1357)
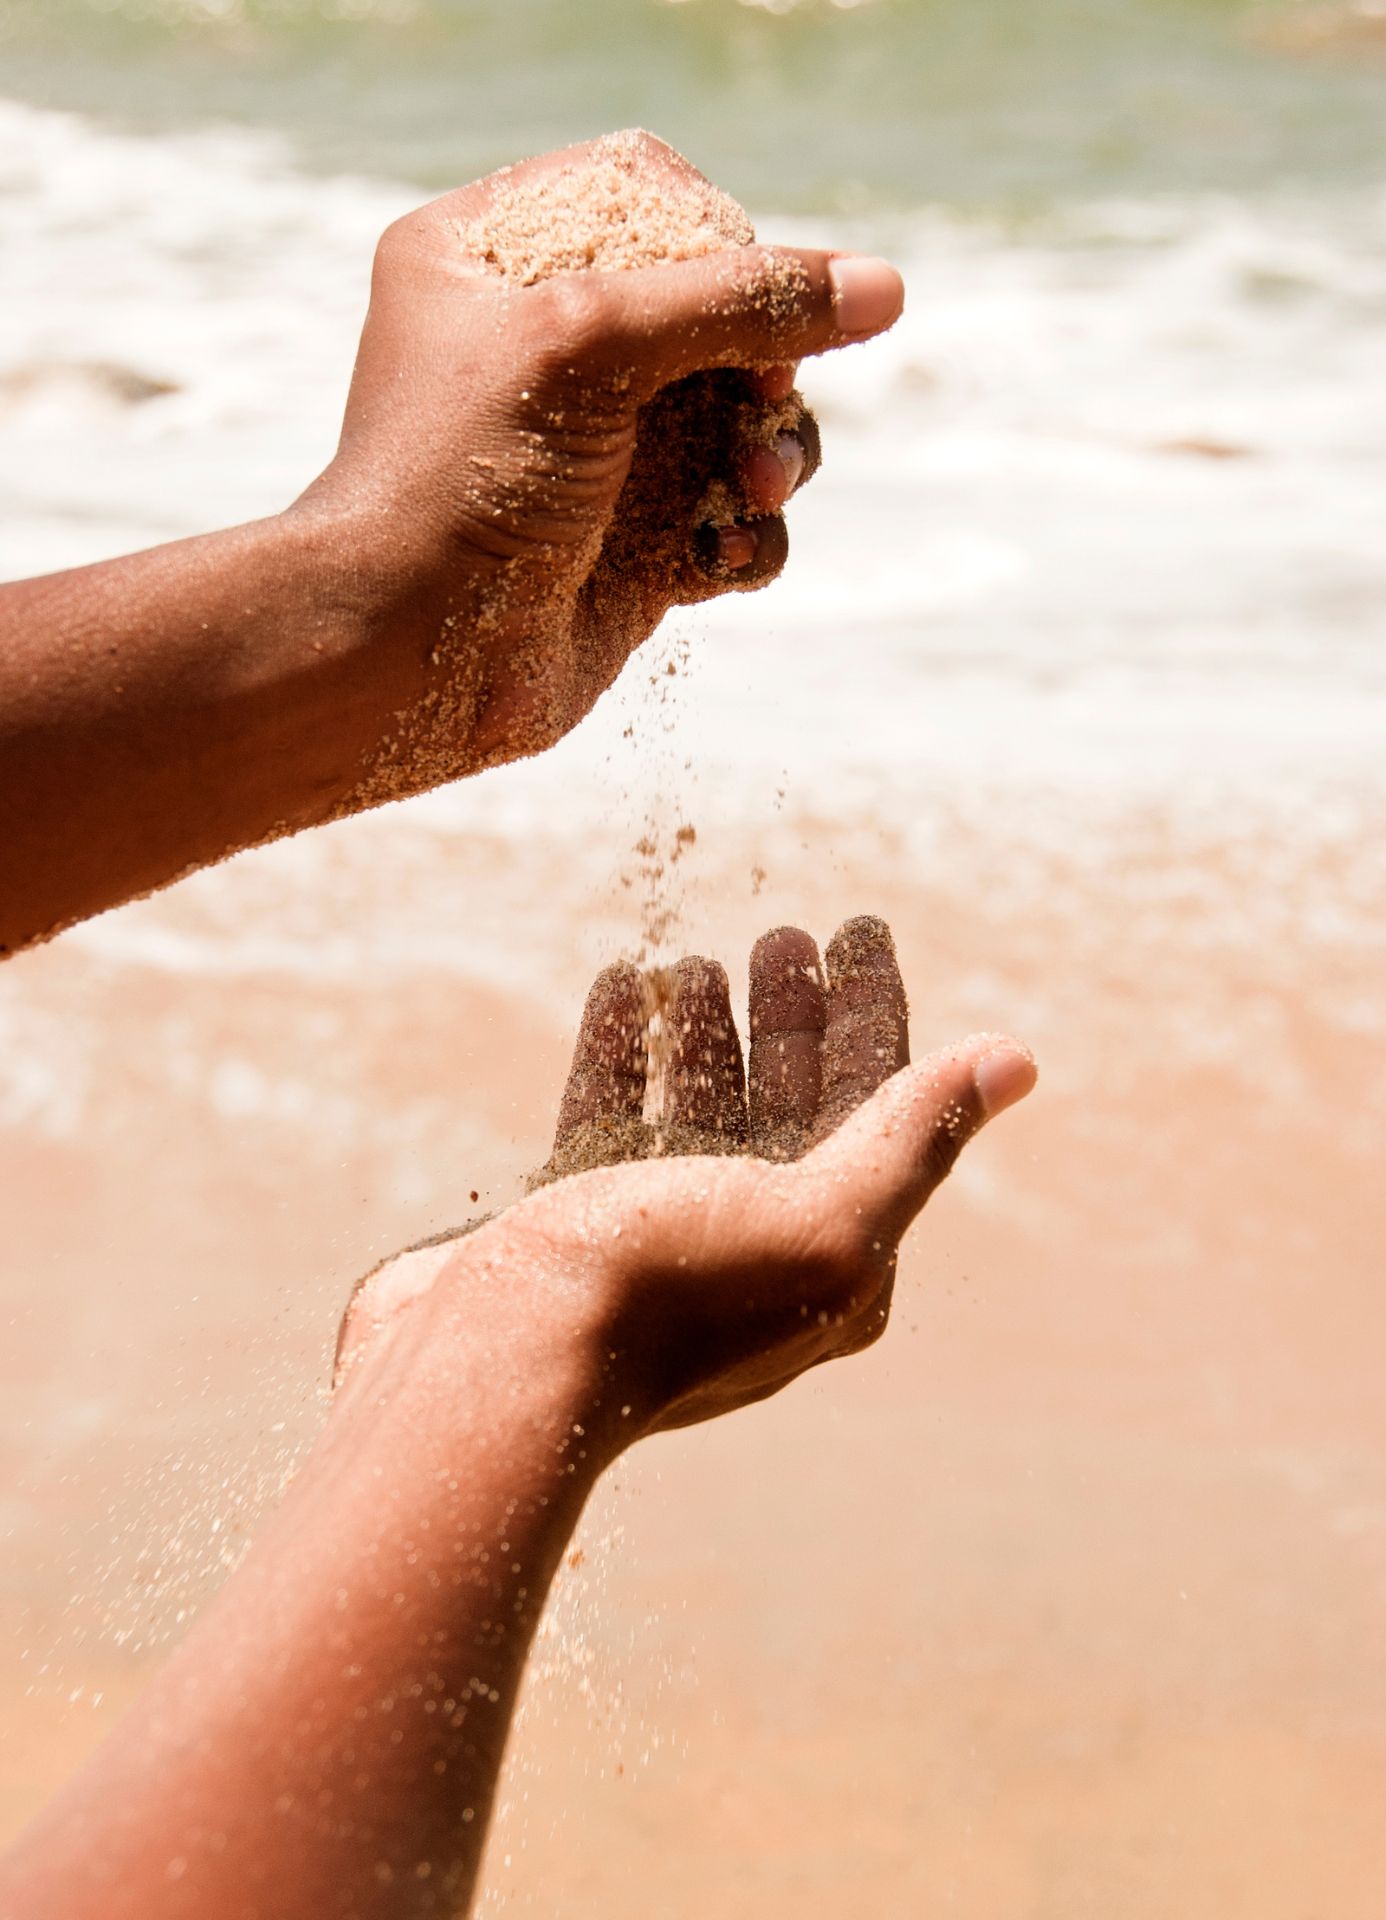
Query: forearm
point(162, 711)
point(327, 1740)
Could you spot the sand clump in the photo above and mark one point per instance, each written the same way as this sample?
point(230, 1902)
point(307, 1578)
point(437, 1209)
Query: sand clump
point(611, 211)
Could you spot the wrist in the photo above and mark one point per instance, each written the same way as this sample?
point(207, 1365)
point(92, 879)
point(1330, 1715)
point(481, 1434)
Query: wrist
point(356, 557)
point(403, 612)
point(387, 557)
point(523, 1332)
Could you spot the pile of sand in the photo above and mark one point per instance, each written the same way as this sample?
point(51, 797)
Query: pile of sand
point(610, 210)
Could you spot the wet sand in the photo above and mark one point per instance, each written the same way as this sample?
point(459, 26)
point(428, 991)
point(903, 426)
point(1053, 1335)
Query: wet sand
point(1064, 1601)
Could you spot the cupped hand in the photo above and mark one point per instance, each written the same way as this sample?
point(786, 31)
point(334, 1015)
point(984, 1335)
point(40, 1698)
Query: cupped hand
point(709, 1257)
point(485, 478)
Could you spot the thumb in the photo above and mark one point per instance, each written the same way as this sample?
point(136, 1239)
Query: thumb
point(745, 307)
point(903, 1142)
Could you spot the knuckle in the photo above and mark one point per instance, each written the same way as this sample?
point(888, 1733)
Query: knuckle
point(397, 246)
point(648, 150)
point(395, 237)
point(577, 314)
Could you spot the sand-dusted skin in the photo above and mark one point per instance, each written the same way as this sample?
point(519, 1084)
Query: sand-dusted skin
point(609, 214)
point(658, 1067)
point(548, 619)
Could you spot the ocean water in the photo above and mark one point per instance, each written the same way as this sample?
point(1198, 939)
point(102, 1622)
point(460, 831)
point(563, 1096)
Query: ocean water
point(793, 104)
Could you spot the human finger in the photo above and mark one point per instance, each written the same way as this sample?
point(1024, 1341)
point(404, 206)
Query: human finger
point(737, 558)
point(705, 1084)
point(607, 1077)
point(788, 1015)
point(770, 474)
point(867, 1036)
point(740, 307)
point(885, 1159)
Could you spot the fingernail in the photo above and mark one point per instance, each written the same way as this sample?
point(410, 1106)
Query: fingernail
point(792, 458)
point(736, 547)
point(867, 293)
point(1002, 1077)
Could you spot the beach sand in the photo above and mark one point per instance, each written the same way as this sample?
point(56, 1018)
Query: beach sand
point(1065, 1600)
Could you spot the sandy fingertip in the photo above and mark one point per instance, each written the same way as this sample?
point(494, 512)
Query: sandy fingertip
point(1004, 1076)
point(868, 294)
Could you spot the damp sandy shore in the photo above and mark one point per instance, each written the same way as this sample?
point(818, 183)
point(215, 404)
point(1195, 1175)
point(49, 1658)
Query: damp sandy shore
point(1064, 1601)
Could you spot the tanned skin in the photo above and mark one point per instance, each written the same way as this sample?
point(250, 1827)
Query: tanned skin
point(161, 711)
point(325, 1743)
point(327, 1740)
